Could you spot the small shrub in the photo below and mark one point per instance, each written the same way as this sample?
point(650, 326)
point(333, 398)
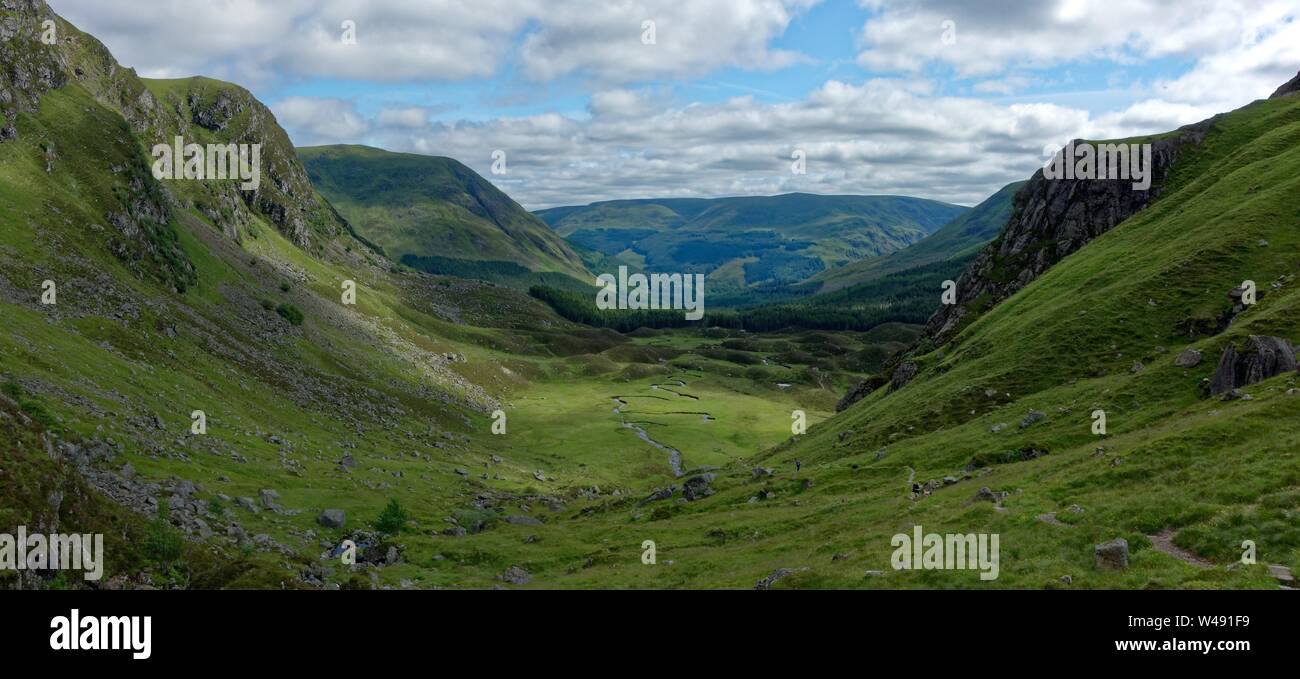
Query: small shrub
point(290, 313)
point(284, 286)
point(162, 543)
point(393, 519)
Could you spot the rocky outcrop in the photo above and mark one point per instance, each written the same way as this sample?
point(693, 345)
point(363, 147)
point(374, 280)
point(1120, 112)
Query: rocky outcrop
point(1262, 358)
point(1052, 219)
point(697, 487)
point(223, 112)
point(861, 391)
point(1290, 88)
point(30, 67)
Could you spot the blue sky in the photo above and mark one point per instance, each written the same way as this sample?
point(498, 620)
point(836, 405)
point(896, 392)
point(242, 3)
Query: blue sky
point(944, 99)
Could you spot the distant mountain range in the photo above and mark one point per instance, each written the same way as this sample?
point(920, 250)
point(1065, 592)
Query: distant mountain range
point(751, 241)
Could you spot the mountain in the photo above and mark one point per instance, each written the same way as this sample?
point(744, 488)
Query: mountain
point(750, 241)
point(958, 240)
point(428, 211)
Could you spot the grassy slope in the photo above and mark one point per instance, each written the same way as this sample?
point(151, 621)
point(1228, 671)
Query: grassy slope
point(1218, 472)
point(424, 205)
point(960, 238)
point(285, 403)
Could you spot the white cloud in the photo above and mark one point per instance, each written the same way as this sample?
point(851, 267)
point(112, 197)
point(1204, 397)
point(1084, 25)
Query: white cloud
point(907, 35)
point(423, 40)
point(883, 136)
point(413, 117)
point(320, 121)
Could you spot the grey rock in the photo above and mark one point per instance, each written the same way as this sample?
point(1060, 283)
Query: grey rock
point(697, 487)
point(247, 503)
point(1262, 358)
point(1189, 359)
point(516, 576)
point(1031, 419)
point(1113, 555)
point(777, 575)
point(986, 495)
point(332, 518)
point(903, 374)
point(659, 495)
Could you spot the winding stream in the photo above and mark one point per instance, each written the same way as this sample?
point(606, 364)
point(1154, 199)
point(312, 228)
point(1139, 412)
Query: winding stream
point(674, 455)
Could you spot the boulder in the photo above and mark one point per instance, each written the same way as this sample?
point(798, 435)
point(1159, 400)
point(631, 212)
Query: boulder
point(1113, 555)
point(247, 503)
point(1188, 359)
point(697, 487)
point(1031, 419)
point(516, 576)
point(986, 495)
point(659, 494)
point(332, 518)
point(1262, 358)
point(778, 574)
point(268, 498)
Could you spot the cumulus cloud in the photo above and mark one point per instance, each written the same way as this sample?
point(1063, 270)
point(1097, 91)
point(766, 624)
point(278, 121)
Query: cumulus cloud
point(320, 121)
point(882, 136)
point(990, 36)
point(424, 40)
point(635, 138)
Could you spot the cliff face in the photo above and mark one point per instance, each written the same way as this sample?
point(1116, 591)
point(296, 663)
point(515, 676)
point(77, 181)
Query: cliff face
point(1053, 218)
point(197, 109)
point(28, 68)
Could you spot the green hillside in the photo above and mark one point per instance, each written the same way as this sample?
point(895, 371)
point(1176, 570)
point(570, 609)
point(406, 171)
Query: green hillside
point(958, 240)
point(417, 207)
point(1100, 331)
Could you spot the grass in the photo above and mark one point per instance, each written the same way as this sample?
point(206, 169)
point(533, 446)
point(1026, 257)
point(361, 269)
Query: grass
point(406, 380)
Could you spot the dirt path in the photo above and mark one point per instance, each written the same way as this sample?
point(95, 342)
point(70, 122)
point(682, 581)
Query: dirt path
point(1164, 542)
point(1050, 517)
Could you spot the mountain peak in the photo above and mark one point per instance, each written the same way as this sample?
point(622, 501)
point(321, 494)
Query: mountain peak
point(1291, 87)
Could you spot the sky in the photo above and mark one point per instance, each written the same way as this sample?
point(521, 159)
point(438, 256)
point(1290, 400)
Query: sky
point(577, 101)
